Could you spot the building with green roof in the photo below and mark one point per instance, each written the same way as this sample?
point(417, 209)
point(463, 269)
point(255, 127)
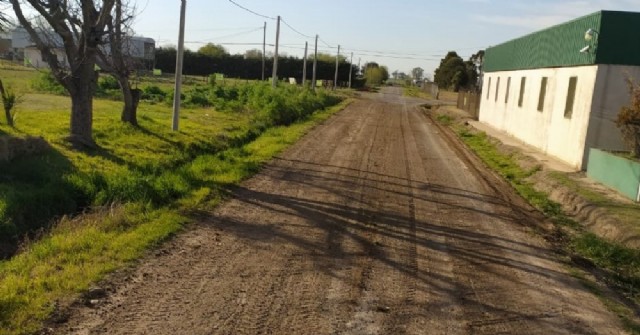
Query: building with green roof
point(560, 89)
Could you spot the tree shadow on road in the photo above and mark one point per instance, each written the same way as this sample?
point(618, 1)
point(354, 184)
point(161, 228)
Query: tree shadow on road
point(383, 218)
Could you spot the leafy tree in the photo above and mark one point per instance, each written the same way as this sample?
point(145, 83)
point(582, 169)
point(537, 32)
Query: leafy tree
point(375, 74)
point(474, 70)
point(213, 50)
point(628, 119)
point(253, 54)
point(452, 73)
point(324, 57)
point(417, 73)
point(78, 26)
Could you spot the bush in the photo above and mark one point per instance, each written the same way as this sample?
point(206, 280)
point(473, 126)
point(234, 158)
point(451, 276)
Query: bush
point(108, 83)
point(47, 83)
point(198, 96)
point(629, 119)
point(153, 93)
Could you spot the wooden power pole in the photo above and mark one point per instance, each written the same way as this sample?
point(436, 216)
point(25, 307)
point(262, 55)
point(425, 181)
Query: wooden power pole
point(264, 48)
point(304, 64)
point(275, 56)
point(179, 59)
point(315, 65)
point(335, 81)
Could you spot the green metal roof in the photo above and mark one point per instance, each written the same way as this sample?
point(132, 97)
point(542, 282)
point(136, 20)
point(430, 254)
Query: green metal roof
point(618, 42)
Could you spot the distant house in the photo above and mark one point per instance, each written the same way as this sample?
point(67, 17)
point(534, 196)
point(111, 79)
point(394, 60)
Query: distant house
point(560, 89)
point(19, 41)
point(142, 49)
point(33, 57)
point(5, 46)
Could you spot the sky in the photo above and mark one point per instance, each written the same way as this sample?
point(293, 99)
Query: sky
point(400, 34)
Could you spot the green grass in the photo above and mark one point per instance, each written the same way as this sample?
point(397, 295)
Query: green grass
point(621, 264)
point(138, 187)
point(417, 92)
point(628, 214)
point(80, 252)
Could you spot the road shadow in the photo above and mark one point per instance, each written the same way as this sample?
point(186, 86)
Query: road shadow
point(320, 227)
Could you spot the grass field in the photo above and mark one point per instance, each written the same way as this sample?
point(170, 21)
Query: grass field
point(102, 208)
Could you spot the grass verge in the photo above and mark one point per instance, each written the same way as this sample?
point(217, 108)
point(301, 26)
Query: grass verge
point(185, 171)
point(417, 92)
point(620, 265)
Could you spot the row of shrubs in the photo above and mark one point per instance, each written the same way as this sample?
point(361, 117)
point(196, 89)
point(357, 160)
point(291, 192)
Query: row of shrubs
point(49, 186)
point(272, 107)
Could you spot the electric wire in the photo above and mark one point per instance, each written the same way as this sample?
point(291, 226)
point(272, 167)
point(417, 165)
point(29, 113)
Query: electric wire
point(252, 12)
point(294, 29)
point(325, 43)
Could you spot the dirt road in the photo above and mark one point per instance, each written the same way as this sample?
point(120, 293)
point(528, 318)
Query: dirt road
point(371, 224)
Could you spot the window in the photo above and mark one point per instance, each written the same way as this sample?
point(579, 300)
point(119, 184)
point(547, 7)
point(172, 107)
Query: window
point(497, 88)
point(571, 96)
point(543, 93)
point(488, 88)
point(506, 94)
point(523, 81)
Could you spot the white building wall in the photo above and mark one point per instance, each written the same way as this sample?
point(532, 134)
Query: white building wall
point(34, 57)
point(548, 130)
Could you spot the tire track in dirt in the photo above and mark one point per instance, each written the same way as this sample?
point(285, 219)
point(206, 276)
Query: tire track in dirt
point(371, 224)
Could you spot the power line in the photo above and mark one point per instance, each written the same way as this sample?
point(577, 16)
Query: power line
point(252, 12)
point(295, 30)
point(227, 43)
point(325, 43)
point(381, 54)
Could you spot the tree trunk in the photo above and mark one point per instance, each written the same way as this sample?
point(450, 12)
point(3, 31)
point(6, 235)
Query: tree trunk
point(131, 99)
point(7, 109)
point(84, 82)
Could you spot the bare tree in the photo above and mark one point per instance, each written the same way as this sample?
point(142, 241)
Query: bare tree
point(78, 28)
point(116, 57)
point(4, 20)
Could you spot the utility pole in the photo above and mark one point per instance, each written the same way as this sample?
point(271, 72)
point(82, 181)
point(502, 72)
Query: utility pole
point(304, 64)
point(350, 69)
point(315, 66)
point(264, 47)
point(275, 56)
point(335, 81)
point(179, 59)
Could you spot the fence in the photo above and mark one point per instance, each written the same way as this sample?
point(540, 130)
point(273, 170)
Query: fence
point(469, 102)
point(431, 88)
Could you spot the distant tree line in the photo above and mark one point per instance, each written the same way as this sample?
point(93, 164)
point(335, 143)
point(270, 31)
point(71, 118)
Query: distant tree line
point(208, 60)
